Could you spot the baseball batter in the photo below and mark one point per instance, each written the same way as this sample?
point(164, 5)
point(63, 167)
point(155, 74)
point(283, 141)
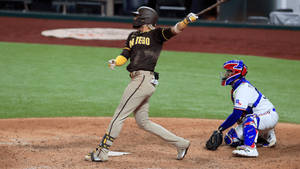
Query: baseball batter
point(253, 112)
point(142, 48)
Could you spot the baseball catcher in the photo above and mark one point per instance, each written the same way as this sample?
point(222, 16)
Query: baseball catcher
point(142, 48)
point(254, 114)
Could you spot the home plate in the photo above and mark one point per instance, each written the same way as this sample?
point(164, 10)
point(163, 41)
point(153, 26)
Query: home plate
point(116, 153)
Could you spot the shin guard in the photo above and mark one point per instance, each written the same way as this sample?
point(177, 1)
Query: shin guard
point(106, 141)
point(250, 131)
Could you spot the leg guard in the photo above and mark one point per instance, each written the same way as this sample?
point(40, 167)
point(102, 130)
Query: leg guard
point(231, 138)
point(106, 141)
point(250, 130)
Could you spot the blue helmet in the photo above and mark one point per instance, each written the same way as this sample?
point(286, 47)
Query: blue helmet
point(235, 69)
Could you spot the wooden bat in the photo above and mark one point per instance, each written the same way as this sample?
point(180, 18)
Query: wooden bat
point(211, 7)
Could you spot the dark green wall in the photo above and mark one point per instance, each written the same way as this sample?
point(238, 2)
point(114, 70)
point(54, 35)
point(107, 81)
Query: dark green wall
point(240, 10)
point(161, 21)
point(260, 7)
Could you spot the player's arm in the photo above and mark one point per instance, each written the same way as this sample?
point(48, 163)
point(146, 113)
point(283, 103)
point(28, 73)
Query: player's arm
point(240, 106)
point(122, 58)
point(167, 33)
point(231, 119)
point(118, 61)
point(180, 26)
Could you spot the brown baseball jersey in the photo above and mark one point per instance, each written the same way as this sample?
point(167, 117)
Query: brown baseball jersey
point(143, 48)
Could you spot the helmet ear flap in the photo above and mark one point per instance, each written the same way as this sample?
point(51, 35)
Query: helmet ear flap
point(244, 71)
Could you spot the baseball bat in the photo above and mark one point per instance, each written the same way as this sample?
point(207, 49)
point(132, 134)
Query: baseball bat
point(211, 7)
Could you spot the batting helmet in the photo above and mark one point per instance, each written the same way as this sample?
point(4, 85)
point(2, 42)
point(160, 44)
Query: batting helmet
point(144, 15)
point(235, 69)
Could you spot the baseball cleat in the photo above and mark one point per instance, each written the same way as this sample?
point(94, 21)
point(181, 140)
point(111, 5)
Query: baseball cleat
point(181, 152)
point(271, 139)
point(98, 155)
point(245, 151)
point(270, 144)
point(88, 157)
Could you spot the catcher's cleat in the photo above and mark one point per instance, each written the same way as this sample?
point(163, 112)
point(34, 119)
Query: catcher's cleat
point(98, 155)
point(271, 139)
point(270, 144)
point(245, 151)
point(181, 152)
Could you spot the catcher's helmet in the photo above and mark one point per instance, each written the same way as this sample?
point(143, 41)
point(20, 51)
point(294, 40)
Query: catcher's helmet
point(235, 69)
point(144, 15)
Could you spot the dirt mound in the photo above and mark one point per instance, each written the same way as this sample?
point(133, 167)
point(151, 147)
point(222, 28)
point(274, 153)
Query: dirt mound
point(46, 143)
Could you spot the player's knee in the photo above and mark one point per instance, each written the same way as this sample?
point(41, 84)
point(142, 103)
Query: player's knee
point(143, 124)
point(231, 138)
point(251, 120)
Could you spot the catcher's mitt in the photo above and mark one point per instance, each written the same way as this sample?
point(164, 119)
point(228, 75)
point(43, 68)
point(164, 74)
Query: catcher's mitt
point(215, 140)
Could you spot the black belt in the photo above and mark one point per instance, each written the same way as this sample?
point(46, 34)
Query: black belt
point(136, 73)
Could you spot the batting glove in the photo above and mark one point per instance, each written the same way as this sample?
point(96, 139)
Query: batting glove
point(112, 64)
point(191, 17)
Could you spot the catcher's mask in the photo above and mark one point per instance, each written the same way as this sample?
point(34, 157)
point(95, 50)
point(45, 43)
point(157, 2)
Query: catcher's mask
point(234, 69)
point(144, 16)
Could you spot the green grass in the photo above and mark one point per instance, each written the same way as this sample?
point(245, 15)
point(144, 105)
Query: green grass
point(56, 80)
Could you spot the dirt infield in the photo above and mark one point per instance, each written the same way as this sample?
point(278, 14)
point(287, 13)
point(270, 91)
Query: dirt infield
point(62, 143)
point(48, 143)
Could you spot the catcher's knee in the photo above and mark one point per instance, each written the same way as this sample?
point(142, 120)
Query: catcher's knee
point(231, 138)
